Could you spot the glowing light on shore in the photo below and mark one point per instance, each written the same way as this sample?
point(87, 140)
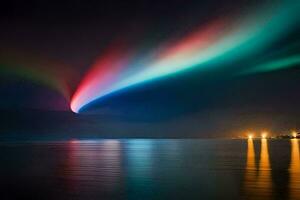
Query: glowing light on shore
point(250, 136)
point(294, 134)
point(264, 135)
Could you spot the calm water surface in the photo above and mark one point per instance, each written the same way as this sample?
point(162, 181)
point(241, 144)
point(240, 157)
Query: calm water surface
point(151, 169)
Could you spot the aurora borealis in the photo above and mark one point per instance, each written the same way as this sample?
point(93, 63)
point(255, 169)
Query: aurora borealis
point(181, 58)
point(149, 99)
point(221, 40)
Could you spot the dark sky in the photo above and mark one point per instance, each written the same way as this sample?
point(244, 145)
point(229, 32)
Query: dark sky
point(67, 36)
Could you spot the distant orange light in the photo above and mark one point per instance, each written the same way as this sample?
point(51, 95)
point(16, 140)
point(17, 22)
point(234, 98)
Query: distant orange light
point(294, 134)
point(250, 136)
point(264, 135)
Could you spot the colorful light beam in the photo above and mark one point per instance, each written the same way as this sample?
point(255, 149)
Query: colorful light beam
point(54, 75)
point(102, 74)
point(273, 65)
point(222, 42)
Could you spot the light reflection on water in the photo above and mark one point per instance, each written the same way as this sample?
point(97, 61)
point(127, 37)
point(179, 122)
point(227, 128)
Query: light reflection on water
point(139, 154)
point(258, 182)
point(264, 179)
point(93, 166)
point(294, 170)
point(250, 172)
point(151, 169)
point(140, 163)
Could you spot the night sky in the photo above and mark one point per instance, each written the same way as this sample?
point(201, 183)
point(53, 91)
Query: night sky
point(172, 68)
